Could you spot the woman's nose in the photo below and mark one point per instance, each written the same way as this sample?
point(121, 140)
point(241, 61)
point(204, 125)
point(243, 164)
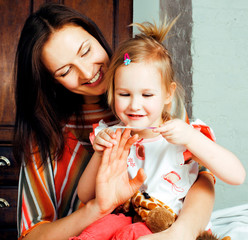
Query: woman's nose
point(85, 70)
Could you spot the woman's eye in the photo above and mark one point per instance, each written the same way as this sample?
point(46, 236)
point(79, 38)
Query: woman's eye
point(85, 52)
point(66, 72)
point(124, 94)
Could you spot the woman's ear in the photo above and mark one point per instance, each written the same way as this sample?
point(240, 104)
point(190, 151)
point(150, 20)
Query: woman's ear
point(170, 93)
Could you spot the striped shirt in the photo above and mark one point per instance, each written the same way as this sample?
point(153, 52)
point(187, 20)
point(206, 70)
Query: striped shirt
point(48, 192)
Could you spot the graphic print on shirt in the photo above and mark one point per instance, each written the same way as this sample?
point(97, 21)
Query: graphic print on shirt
point(173, 177)
point(130, 162)
point(140, 150)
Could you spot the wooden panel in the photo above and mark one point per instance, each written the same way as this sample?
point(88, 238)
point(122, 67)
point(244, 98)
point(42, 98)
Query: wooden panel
point(101, 12)
point(15, 13)
point(122, 19)
point(37, 3)
point(111, 16)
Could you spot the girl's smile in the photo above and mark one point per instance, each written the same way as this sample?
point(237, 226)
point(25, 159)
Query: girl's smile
point(139, 96)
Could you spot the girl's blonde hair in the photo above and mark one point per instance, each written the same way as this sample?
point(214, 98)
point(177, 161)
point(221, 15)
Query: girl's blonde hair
point(147, 47)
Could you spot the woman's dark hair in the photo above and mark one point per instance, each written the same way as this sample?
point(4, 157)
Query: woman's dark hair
point(41, 103)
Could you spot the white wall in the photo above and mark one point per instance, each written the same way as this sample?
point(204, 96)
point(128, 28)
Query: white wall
point(220, 81)
point(220, 77)
point(145, 10)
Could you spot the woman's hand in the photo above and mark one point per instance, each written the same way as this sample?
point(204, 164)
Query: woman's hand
point(169, 234)
point(113, 186)
point(175, 131)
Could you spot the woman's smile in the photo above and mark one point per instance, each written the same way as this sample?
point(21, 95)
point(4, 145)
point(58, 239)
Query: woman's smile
point(95, 80)
point(76, 60)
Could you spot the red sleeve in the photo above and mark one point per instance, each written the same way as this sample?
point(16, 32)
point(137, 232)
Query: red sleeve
point(92, 134)
point(206, 130)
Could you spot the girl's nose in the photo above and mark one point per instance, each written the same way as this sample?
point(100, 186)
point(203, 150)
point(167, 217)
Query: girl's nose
point(135, 104)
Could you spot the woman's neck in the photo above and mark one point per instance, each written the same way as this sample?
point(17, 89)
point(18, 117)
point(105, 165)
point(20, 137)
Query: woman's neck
point(91, 99)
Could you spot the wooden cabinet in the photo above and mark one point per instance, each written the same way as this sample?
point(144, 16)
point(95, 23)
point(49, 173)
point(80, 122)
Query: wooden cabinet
point(112, 17)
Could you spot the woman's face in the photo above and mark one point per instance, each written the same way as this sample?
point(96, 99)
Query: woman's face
point(76, 60)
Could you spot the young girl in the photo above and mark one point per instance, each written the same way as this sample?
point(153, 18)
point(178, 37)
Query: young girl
point(140, 92)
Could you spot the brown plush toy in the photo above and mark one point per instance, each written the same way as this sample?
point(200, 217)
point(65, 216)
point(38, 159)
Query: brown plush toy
point(156, 215)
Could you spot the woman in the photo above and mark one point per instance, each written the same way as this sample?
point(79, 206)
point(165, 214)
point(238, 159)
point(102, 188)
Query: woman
point(60, 64)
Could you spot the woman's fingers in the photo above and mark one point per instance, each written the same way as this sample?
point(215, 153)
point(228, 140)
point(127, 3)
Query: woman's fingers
point(124, 138)
point(138, 180)
point(105, 159)
point(128, 144)
point(115, 148)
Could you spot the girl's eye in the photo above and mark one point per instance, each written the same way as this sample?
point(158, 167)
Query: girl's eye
point(147, 95)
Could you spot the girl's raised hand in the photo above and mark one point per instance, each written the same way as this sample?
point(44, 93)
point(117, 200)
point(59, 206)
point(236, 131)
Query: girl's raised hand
point(113, 186)
point(104, 139)
point(175, 131)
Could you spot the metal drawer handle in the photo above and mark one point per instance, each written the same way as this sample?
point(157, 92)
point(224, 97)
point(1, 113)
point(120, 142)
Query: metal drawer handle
point(4, 161)
point(4, 203)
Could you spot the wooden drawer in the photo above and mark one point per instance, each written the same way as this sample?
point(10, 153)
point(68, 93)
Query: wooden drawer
point(8, 203)
point(9, 169)
point(8, 234)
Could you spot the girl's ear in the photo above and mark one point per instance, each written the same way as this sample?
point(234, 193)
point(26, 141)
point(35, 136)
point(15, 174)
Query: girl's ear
point(170, 93)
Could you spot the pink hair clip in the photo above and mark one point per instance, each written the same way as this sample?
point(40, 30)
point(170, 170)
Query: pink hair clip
point(127, 60)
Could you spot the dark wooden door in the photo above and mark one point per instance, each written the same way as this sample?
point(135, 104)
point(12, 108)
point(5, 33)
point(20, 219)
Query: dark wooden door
point(112, 17)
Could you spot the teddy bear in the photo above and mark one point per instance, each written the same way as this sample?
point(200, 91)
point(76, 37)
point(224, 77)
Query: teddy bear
point(157, 215)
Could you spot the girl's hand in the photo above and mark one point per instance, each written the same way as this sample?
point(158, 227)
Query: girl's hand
point(104, 139)
point(113, 186)
point(175, 131)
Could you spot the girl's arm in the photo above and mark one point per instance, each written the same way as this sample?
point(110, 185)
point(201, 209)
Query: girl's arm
point(194, 215)
point(220, 161)
point(87, 182)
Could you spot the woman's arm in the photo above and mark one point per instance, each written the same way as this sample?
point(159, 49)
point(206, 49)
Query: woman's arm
point(113, 187)
point(69, 226)
point(194, 215)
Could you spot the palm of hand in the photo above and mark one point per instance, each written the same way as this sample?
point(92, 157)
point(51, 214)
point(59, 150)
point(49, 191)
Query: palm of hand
point(113, 186)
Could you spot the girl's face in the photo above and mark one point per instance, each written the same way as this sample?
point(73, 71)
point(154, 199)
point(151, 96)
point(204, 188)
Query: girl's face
point(140, 95)
point(76, 60)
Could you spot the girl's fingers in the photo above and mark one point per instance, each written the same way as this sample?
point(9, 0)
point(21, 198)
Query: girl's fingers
point(103, 143)
point(106, 136)
point(98, 148)
point(111, 133)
